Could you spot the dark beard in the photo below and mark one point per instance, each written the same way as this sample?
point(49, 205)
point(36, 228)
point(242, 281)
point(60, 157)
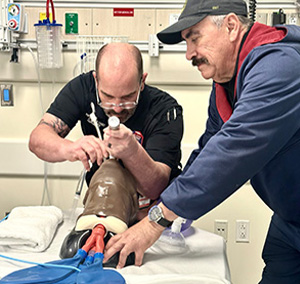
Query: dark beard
point(125, 114)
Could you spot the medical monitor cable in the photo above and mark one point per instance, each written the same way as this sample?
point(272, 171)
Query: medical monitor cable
point(252, 10)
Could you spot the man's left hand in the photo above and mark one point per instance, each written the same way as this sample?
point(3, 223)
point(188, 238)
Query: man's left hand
point(137, 239)
point(121, 143)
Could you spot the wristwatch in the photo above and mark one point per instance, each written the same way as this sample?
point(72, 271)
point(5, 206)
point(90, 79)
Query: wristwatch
point(156, 215)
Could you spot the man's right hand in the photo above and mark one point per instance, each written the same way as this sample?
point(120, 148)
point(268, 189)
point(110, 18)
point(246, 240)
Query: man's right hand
point(48, 142)
point(88, 148)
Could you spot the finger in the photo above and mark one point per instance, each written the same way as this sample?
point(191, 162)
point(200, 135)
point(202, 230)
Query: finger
point(84, 158)
point(123, 257)
point(115, 133)
point(110, 146)
point(86, 165)
point(104, 153)
point(90, 151)
point(100, 151)
point(95, 148)
point(106, 134)
point(111, 248)
point(139, 258)
point(112, 241)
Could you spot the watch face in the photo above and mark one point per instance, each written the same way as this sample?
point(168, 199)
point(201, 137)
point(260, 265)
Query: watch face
point(155, 213)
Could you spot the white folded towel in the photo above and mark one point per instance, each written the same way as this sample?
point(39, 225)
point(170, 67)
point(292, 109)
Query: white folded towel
point(30, 228)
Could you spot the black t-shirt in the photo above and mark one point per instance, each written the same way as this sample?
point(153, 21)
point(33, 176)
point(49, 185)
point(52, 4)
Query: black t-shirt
point(158, 118)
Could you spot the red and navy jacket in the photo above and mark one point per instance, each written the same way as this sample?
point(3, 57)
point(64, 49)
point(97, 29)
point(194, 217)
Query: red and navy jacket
point(257, 140)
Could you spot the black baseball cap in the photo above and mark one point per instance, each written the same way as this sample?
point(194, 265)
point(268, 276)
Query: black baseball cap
point(195, 11)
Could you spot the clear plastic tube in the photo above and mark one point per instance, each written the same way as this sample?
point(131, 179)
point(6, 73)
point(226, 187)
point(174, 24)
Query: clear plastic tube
point(78, 191)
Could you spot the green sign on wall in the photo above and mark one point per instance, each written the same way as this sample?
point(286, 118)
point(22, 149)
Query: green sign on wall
point(71, 23)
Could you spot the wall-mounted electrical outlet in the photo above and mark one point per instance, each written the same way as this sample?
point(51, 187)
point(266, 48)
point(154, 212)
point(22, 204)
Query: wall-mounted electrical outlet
point(242, 231)
point(292, 19)
point(221, 228)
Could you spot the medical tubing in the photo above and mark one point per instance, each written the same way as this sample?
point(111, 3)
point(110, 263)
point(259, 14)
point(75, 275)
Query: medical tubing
point(42, 264)
point(83, 59)
point(77, 193)
point(47, 10)
point(4, 218)
point(37, 72)
point(82, 62)
point(80, 182)
point(46, 189)
point(42, 110)
point(101, 231)
point(93, 118)
point(96, 239)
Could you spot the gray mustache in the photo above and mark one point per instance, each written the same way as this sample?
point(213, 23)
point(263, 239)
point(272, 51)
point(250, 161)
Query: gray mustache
point(198, 61)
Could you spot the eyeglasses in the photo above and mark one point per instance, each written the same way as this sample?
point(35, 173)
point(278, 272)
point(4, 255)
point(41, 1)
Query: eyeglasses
point(126, 105)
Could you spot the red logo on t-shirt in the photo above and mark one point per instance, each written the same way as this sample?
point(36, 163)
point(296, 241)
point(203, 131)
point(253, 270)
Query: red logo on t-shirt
point(138, 136)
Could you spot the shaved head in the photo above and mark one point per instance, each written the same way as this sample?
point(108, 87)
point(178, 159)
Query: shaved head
point(119, 59)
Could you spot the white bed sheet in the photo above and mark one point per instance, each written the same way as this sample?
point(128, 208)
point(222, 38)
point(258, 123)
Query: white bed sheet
point(204, 262)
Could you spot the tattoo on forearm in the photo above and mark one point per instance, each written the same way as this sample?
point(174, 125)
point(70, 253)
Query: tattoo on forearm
point(58, 125)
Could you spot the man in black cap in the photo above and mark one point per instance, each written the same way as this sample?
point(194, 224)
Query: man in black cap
point(252, 132)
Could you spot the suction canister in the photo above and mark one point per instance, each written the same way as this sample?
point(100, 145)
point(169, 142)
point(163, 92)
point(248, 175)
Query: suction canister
point(48, 38)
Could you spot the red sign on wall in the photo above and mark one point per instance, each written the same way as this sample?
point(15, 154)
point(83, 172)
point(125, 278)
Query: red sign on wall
point(123, 12)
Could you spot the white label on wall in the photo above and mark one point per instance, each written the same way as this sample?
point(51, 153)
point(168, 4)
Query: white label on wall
point(173, 18)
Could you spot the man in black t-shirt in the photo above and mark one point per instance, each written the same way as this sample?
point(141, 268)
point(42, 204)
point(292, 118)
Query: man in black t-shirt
point(148, 140)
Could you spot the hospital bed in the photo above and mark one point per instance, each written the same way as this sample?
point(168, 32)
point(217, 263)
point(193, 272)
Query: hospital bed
point(204, 261)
